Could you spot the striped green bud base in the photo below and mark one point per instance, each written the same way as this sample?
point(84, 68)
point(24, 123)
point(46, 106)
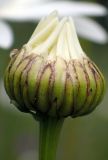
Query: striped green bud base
point(51, 76)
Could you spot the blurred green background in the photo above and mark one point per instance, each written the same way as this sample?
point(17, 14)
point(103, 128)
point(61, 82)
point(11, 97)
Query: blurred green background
point(84, 138)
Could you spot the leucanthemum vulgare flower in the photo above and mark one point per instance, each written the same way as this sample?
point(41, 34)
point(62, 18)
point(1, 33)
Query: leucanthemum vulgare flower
point(52, 77)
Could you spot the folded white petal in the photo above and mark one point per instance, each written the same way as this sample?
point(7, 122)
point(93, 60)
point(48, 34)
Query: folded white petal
point(6, 35)
point(91, 30)
point(33, 12)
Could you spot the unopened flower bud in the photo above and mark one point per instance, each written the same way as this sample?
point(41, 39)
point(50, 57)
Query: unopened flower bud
point(51, 74)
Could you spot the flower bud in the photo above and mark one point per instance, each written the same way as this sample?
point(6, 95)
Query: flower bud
point(51, 74)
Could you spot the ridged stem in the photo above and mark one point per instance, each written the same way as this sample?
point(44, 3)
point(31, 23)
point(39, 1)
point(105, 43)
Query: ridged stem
point(49, 134)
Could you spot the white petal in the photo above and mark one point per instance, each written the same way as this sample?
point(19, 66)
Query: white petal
point(4, 3)
point(6, 35)
point(65, 9)
point(76, 8)
point(25, 3)
point(91, 30)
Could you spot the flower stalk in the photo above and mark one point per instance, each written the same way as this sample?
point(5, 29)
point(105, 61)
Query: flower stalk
point(50, 129)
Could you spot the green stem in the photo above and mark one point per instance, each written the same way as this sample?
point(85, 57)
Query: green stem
point(49, 134)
